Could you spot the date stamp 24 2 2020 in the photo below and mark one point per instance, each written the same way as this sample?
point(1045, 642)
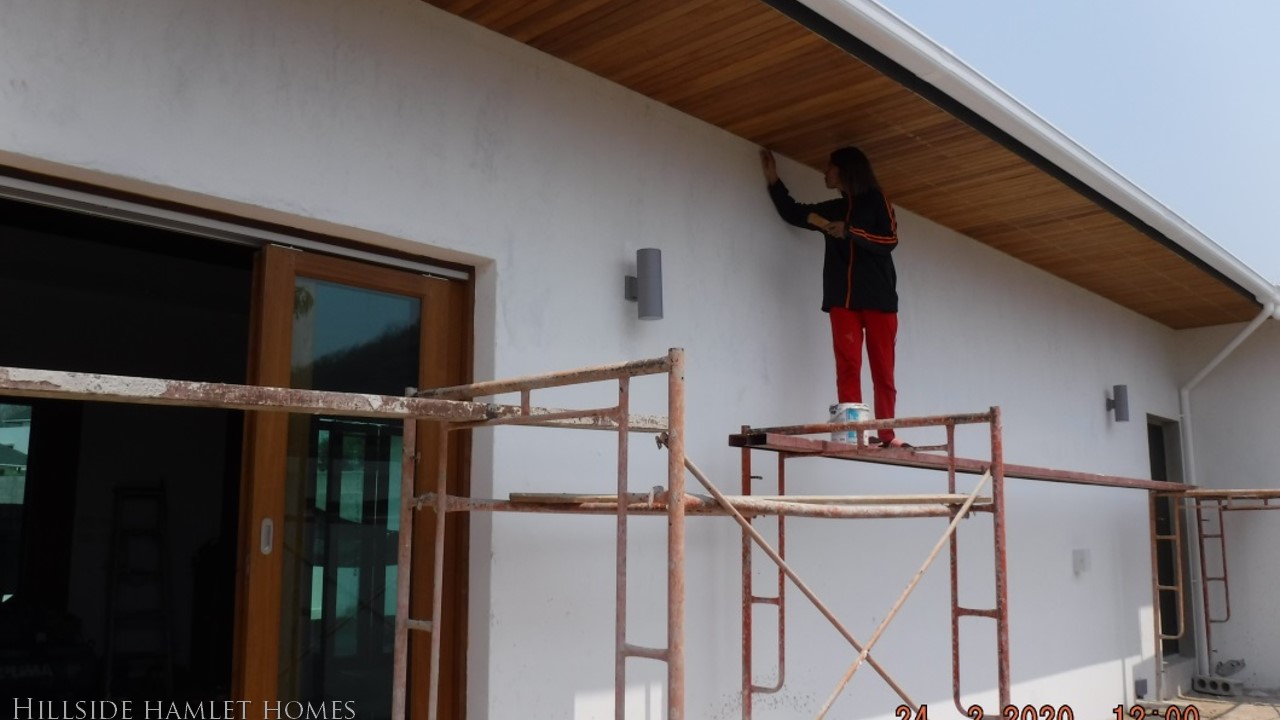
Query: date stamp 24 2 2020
point(1061, 712)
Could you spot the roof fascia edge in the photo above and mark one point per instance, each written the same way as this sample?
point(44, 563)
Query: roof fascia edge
point(867, 22)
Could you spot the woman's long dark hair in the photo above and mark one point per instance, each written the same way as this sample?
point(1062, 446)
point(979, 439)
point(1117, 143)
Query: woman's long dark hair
point(855, 170)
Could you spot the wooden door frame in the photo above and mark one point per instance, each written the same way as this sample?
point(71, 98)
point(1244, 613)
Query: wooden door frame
point(258, 578)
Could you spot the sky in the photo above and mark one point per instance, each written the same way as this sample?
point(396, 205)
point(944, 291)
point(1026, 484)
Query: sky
point(1182, 97)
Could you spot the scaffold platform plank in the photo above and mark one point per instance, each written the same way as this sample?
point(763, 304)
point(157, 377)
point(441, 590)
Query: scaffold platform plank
point(1228, 494)
point(903, 506)
point(908, 457)
point(916, 499)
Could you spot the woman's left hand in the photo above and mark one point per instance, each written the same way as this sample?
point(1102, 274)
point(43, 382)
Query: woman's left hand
point(834, 229)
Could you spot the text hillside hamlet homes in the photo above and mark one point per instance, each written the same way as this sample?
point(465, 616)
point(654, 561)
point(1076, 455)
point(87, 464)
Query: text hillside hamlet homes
point(322, 395)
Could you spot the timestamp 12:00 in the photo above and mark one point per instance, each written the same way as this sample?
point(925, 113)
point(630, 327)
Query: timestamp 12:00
point(1060, 712)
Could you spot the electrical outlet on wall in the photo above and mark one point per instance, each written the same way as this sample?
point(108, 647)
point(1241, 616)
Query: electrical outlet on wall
point(1079, 561)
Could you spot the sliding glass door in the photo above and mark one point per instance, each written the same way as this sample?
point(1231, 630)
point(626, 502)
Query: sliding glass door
point(322, 493)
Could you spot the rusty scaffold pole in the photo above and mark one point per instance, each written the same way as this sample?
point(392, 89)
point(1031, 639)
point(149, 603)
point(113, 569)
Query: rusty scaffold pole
point(620, 561)
point(750, 600)
point(672, 503)
point(455, 408)
point(675, 536)
point(450, 409)
point(404, 553)
point(960, 514)
point(788, 442)
point(1210, 506)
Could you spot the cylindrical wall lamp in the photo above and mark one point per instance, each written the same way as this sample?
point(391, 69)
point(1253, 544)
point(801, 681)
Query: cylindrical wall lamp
point(1119, 401)
point(645, 287)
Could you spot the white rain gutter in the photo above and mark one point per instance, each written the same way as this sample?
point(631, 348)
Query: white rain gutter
point(1269, 310)
point(877, 26)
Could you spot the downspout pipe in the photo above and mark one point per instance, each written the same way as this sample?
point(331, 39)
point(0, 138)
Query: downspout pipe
point(1270, 309)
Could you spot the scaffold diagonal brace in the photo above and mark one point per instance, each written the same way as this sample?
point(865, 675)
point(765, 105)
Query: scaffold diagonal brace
point(791, 574)
point(902, 599)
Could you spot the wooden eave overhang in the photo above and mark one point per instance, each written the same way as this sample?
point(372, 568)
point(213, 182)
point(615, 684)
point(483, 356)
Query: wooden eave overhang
point(778, 75)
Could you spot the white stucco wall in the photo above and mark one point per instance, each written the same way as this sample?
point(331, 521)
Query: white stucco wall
point(1234, 411)
point(391, 117)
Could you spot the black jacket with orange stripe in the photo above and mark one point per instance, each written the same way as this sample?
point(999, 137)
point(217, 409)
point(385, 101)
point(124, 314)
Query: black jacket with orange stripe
point(857, 270)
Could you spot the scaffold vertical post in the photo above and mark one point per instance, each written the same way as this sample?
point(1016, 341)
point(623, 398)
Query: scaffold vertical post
point(1205, 577)
point(749, 598)
point(437, 580)
point(1002, 581)
point(404, 557)
point(1176, 508)
point(1157, 625)
point(1204, 588)
point(620, 582)
point(748, 602)
point(1219, 504)
point(675, 536)
point(955, 573)
point(782, 578)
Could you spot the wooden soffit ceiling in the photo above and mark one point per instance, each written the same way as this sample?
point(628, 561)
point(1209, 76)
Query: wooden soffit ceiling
point(752, 70)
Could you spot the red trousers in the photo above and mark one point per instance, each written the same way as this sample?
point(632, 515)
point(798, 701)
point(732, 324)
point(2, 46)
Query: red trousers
point(848, 327)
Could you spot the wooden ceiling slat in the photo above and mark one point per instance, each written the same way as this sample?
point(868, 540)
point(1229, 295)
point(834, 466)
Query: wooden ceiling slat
point(816, 101)
point(677, 51)
point(469, 9)
point(700, 32)
point(768, 74)
point(499, 17)
point(811, 103)
point(745, 67)
point(619, 24)
point(531, 28)
point(812, 141)
point(696, 76)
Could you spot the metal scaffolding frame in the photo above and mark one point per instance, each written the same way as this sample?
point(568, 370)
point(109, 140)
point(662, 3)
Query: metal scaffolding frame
point(673, 501)
point(455, 409)
point(616, 417)
point(789, 443)
point(785, 441)
point(1209, 506)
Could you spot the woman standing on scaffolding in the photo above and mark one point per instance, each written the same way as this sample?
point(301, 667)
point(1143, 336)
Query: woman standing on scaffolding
point(859, 283)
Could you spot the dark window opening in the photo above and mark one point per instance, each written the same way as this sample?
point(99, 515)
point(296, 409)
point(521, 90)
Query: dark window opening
point(120, 578)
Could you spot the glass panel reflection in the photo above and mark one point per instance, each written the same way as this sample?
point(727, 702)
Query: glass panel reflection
point(342, 491)
point(15, 437)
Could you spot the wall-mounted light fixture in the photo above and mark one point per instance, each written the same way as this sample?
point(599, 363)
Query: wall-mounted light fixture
point(645, 287)
point(1119, 402)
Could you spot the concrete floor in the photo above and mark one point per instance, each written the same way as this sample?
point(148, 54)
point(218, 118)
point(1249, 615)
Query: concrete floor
point(1243, 708)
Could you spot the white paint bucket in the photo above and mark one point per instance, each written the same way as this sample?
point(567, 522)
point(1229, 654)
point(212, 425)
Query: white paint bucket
point(848, 412)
